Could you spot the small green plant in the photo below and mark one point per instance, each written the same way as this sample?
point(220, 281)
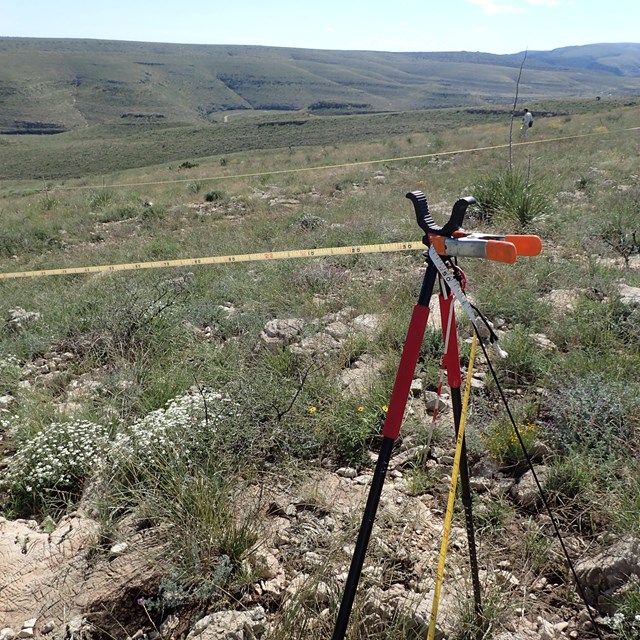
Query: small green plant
point(214, 196)
point(504, 446)
point(511, 196)
point(421, 480)
point(536, 548)
point(625, 622)
point(471, 626)
point(349, 432)
point(583, 182)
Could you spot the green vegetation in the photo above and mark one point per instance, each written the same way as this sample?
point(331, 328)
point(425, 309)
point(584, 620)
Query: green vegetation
point(158, 401)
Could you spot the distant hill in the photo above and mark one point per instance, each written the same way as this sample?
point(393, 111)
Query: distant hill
point(56, 85)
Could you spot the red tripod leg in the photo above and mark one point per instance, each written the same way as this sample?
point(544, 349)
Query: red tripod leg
point(390, 431)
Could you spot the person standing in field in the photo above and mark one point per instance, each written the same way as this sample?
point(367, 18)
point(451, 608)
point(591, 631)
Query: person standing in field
point(527, 123)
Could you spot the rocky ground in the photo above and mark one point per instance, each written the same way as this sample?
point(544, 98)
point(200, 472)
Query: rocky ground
point(58, 580)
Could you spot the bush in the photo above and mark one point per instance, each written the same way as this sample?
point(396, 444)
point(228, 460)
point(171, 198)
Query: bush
point(50, 467)
point(593, 414)
point(620, 230)
point(504, 446)
point(214, 196)
point(511, 197)
point(526, 362)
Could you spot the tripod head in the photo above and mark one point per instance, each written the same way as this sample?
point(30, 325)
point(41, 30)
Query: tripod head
point(451, 241)
point(425, 219)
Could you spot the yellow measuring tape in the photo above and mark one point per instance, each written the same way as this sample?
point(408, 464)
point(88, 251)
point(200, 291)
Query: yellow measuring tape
point(452, 494)
point(246, 257)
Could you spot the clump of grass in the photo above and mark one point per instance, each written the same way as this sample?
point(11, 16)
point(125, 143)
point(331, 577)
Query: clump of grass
point(100, 199)
point(511, 197)
point(214, 196)
point(526, 362)
point(471, 626)
point(492, 516)
point(10, 374)
point(536, 548)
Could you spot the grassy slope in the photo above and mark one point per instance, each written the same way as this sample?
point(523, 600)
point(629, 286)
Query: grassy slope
point(358, 204)
point(102, 149)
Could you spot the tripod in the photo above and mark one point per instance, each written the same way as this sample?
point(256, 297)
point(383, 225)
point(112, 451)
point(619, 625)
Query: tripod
point(444, 243)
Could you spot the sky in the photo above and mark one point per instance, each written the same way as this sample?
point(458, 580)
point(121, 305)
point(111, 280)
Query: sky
point(492, 26)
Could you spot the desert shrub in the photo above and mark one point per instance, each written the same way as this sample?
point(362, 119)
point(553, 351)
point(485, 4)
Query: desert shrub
point(182, 429)
point(117, 318)
point(502, 443)
point(214, 196)
point(100, 199)
point(593, 414)
point(619, 229)
point(50, 466)
point(511, 196)
point(625, 622)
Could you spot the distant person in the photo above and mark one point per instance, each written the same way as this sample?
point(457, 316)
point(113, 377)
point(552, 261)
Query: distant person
point(527, 123)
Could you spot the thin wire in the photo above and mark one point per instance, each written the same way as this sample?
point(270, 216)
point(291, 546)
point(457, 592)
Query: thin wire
point(541, 491)
point(337, 166)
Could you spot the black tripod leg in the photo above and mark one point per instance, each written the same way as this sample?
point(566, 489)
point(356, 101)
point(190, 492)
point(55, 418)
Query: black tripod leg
point(454, 376)
point(465, 490)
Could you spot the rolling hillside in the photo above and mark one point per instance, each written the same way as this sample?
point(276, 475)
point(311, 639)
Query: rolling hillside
point(53, 86)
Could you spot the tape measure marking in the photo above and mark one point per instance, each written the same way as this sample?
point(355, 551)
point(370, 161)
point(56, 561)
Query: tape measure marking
point(246, 257)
